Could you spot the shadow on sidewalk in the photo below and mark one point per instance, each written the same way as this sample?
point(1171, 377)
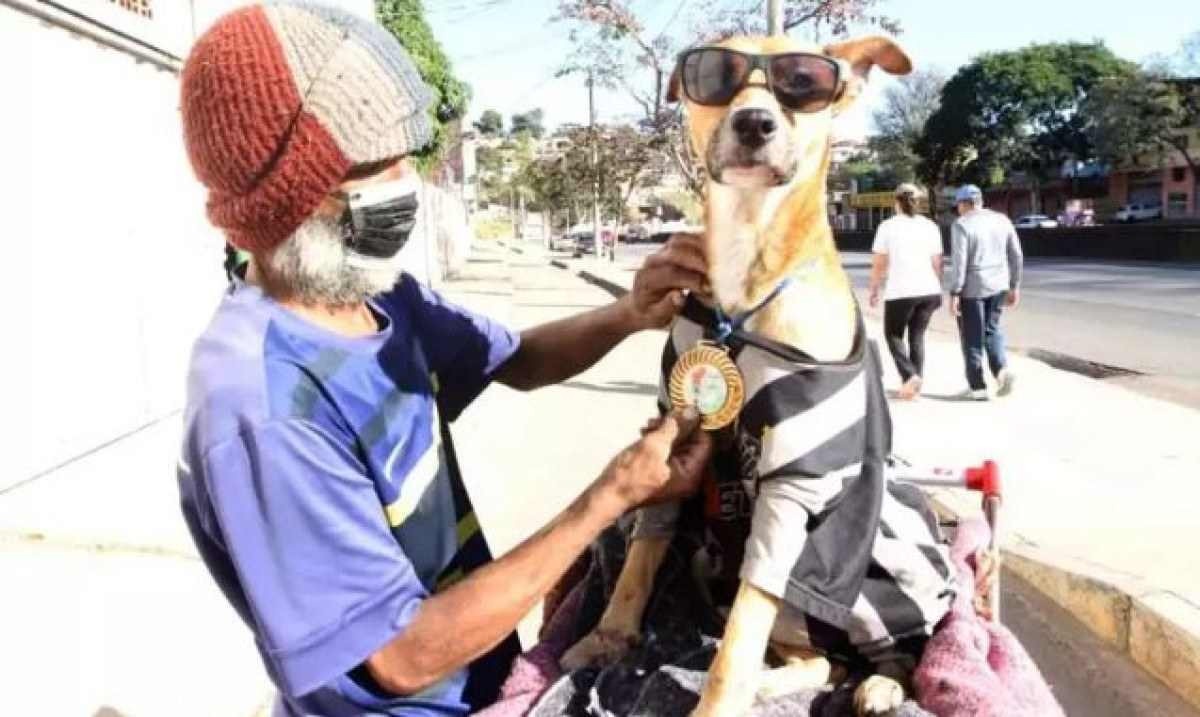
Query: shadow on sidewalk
point(949, 398)
point(625, 387)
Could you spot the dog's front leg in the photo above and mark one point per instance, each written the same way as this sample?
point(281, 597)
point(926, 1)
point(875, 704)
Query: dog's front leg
point(620, 625)
point(734, 676)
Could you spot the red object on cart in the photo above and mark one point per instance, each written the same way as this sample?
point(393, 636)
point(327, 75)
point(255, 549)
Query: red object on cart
point(983, 478)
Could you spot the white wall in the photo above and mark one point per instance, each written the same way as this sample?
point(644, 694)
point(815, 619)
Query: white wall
point(109, 268)
point(117, 264)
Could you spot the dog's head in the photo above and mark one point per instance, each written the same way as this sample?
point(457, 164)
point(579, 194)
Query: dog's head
point(755, 141)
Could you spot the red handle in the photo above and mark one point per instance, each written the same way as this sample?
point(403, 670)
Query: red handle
point(985, 479)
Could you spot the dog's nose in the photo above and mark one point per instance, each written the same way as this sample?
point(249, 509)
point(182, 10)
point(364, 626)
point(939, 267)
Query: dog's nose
point(754, 127)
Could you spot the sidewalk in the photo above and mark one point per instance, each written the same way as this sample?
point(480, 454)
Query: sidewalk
point(106, 609)
point(1101, 491)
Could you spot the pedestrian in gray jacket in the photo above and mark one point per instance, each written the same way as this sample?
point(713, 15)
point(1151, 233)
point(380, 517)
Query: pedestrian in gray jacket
point(985, 276)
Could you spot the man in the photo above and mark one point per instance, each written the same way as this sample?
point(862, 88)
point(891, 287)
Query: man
point(985, 276)
point(316, 476)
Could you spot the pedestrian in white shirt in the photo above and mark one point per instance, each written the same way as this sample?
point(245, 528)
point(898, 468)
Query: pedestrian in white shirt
point(907, 263)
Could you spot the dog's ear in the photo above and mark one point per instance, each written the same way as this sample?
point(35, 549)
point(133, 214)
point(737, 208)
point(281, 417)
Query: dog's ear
point(673, 89)
point(859, 56)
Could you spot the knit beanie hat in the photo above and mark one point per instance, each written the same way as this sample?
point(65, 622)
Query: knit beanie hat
point(280, 99)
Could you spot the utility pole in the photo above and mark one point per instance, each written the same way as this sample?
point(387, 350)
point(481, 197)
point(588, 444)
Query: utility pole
point(591, 83)
point(775, 17)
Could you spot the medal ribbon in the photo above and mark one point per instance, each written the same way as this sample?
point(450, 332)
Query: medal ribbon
point(726, 324)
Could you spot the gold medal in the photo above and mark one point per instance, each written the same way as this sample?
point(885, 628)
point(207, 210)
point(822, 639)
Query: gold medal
point(705, 377)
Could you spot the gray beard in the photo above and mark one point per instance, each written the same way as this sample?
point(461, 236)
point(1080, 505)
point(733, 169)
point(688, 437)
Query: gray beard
point(315, 267)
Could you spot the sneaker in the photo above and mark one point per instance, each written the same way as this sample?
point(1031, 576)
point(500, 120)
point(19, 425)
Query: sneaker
point(1007, 379)
point(973, 394)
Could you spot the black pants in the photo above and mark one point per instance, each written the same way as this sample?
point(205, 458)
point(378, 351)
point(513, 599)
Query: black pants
point(912, 315)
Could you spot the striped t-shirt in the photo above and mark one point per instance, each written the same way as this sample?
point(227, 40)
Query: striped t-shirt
point(800, 479)
point(319, 487)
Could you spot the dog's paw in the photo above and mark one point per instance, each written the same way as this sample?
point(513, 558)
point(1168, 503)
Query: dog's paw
point(878, 696)
point(600, 647)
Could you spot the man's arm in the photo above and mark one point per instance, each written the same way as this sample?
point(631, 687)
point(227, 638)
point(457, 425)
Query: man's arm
point(554, 352)
point(452, 628)
point(958, 259)
point(958, 267)
point(1016, 266)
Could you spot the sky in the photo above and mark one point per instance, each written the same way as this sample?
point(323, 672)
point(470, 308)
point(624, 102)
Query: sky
point(508, 52)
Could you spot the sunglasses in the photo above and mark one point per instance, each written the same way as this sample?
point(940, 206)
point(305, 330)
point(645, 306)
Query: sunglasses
point(801, 81)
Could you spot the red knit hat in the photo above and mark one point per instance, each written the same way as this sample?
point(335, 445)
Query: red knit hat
point(279, 100)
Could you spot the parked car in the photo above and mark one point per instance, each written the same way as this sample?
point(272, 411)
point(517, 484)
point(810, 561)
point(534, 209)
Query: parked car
point(1138, 212)
point(1036, 221)
point(585, 242)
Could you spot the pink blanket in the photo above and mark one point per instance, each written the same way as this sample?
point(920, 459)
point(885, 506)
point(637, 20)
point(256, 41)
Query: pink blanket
point(973, 667)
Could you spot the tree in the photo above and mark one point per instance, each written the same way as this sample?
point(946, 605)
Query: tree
point(835, 17)
point(616, 48)
point(1015, 111)
point(405, 19)
point(1136, 114)
point(530, 123)
point(625, 161)
point(490, 124)
point(900, 121)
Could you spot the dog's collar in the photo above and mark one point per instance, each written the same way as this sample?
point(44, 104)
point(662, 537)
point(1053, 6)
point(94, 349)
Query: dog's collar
point(727, 324)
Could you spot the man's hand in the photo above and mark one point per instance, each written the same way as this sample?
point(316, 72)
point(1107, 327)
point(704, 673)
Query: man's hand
point(666, 464)
point(1014, 298)
point(874, 300)
point(659, 285)
point(955, 306)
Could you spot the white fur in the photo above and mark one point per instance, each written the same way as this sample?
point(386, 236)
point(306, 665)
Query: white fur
point(737, 216)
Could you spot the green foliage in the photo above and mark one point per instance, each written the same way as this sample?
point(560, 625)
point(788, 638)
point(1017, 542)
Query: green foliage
point(405, 19)
point(869, 172)
point(529, 123)
point(1014, 110)
point(1135, 116)
point(900, 121)
point(490, 123)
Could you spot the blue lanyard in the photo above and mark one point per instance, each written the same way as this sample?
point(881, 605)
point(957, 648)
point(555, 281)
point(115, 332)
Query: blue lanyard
point(726, 324)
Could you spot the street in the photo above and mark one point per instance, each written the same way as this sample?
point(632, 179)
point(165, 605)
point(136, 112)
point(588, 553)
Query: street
point(1140, 322)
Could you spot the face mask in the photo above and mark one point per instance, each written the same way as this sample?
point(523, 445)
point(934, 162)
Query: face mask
point(379, 218)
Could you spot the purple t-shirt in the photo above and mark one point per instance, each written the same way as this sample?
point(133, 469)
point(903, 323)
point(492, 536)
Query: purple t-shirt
point(316, 486)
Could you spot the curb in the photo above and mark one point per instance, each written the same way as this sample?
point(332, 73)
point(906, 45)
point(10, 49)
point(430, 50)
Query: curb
point(613, 288)
point(1158, 630)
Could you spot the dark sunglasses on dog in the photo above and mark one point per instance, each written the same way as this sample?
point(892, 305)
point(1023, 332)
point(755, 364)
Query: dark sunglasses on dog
point(801, 81)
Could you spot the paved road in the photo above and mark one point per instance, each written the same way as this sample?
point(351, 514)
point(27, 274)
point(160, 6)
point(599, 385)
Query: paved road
point(1141, 317)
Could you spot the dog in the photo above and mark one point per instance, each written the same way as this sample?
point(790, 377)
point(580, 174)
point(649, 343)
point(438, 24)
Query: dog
point(827, 538)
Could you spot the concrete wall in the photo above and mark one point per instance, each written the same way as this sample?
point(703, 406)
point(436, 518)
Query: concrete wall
point(117, 265)
point(110, 267)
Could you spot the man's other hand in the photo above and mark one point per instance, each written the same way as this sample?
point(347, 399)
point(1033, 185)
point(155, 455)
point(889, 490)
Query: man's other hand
point(1014, 298)
point(658, 287)
point(666, 464)
point(955, 306)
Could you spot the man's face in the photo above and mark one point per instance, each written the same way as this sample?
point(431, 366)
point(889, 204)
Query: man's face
point(315, 267)
point(965, 208)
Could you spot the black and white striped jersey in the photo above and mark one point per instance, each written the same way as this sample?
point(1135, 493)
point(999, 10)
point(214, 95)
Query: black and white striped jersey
point(859, 556)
